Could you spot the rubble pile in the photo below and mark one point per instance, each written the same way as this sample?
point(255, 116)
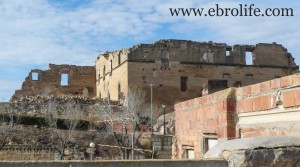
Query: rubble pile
point(37, 105)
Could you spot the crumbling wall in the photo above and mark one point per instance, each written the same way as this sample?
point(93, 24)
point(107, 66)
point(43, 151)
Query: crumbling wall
point(179, 68)
point(278, 55)
point(211, 52)
point(79, 81)
point(179, 51)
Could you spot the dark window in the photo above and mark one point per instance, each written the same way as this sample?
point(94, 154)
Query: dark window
point(64, 80)
point(111, 67)
point(103, 73)
point(144, 78)
point(249, 76)
point(183, 83)
point(99, 74)
point(119, 58)
point(35, 76)
point(226, 75)
point(237, 84)
point(119, 91)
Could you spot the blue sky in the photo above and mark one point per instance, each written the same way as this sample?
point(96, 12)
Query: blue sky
point(34, 33)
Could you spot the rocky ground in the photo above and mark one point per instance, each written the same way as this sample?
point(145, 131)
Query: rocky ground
point(36, 136)
point(275, 151)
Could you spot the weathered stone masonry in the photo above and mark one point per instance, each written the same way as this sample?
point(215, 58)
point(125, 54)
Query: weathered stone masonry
point(179, 68)
point(80, 80)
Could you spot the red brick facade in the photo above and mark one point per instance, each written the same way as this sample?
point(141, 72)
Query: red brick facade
point(211, 115)
point(228, 114)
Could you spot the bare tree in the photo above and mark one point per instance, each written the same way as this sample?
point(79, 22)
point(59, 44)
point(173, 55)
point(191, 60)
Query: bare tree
point(70, 115)
point(9, 118)
point(125, 123)
point(5, 130)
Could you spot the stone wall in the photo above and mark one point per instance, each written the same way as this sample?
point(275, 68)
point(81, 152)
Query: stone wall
point(179, 68)
point(80, 81)
point(267, 108)
point(112, 76)
point(141, 163)
point(162, 146)
point(26, 152)
point(275, 151)
point(203, 52)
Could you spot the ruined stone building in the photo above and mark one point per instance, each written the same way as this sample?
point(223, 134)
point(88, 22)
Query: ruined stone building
point(260, 93)
point(178, 69)
point(181, 70)
point(59, 80)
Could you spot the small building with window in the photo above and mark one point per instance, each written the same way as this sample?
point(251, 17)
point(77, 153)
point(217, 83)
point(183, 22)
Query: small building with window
point(270, 108)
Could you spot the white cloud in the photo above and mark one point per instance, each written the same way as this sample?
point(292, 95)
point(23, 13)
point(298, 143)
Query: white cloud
point(39, 33)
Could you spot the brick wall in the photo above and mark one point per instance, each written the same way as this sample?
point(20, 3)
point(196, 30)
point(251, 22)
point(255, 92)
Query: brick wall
point(211, 115)
point(267, 108)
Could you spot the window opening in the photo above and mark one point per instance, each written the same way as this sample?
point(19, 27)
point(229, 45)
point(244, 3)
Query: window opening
point(35, 76)
point(64, 80)
point(183, 83)
point(249, 58)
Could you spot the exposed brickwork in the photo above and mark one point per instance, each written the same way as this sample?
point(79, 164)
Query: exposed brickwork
point(297, 97)
point(263, 95)
point(289, 99)
point(212, 114)
point(216, 114)
point(278, 95)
